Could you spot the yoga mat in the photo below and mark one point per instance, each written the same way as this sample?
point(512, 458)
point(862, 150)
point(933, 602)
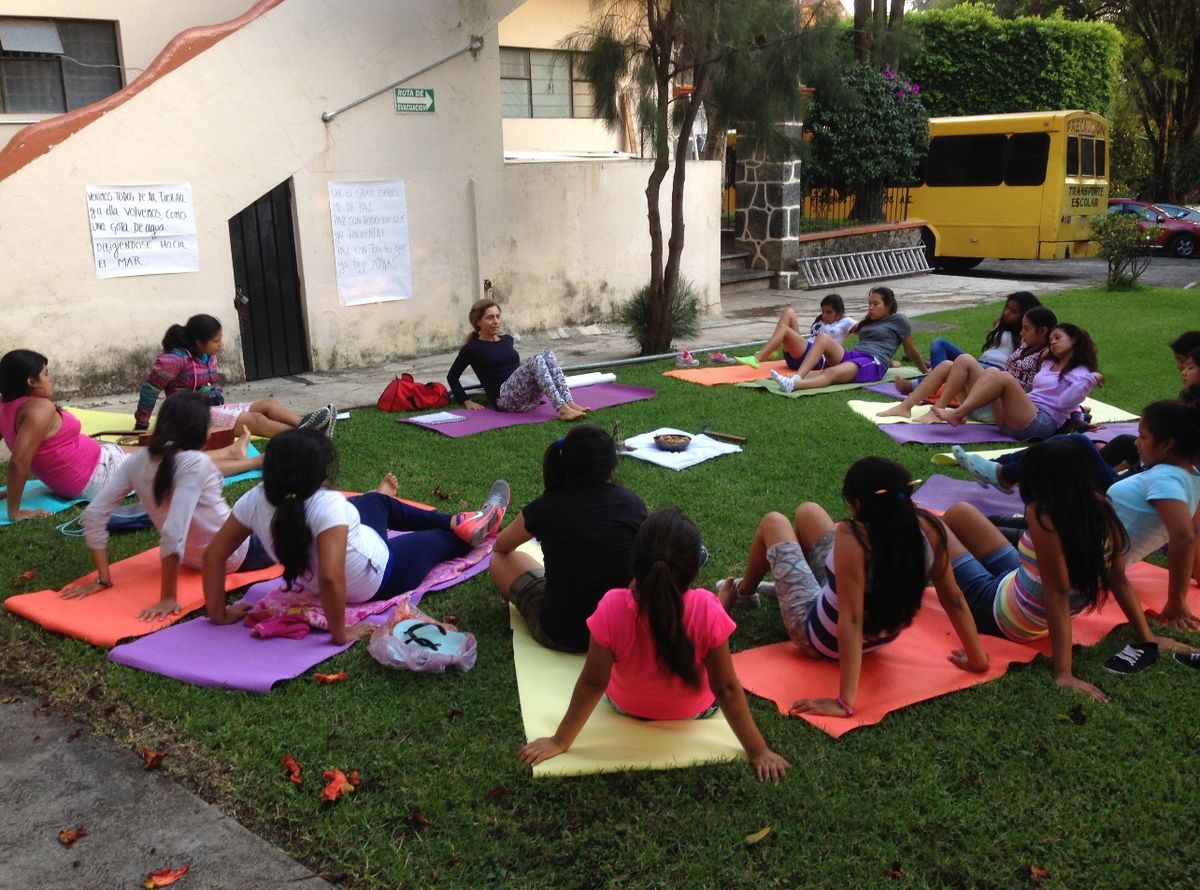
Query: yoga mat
point(772, 387)
point(231, 657)
point(111, 615)
point(1101, 412)
point(717, 374)
point(700, 449)
point(93, 420)
point(945, 458)
point(609, 742)
point(599, 395)
point(939, 493)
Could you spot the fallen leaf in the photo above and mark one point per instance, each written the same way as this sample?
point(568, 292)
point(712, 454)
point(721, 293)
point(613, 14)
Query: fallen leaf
point(439, 494)
point(498, 792)
point(331, 678)
point(151, 759)
point(896, 871)
point(751, 839)
point(354, 777)
point(24, 578)
point(1039, 873)
point(164, 877)
point(68, 836)
point(454, 713)
point(337, 786)
point(417, 819)
point(1074, 715)
point(291, 767)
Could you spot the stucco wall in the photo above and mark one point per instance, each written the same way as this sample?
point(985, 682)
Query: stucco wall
point(576, 244)
point(144, 27)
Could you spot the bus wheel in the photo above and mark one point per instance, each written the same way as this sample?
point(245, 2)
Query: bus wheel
point(1183, 246)
point(930, 244)
point(959, 263)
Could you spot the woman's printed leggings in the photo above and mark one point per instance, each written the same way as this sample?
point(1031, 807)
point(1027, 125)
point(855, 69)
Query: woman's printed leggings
point(540, 375)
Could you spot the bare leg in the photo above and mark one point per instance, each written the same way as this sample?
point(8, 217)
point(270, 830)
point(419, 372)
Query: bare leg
point(773, 528)
point(1010, 404)
point(811, 525)
point(964, 371)
point(505, 568)
point(925, 389)
point(259, 425)
point(823, 347)
point(845, 372)
point(272, 410)
point(786, 334)
point(971, 532)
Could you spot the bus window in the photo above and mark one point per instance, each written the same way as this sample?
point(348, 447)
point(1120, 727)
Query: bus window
point(1027, 156)
point(1100, 161)
point(966, 160)
point(1072, 155)
point(1086, 157)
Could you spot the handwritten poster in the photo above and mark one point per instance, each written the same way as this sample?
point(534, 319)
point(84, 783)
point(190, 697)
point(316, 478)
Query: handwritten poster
point(370, 241)
point(142, 229)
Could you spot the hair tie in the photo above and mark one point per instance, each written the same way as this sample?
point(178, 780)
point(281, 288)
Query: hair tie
point(560, 443)
point(169, 443)
point(290, 496)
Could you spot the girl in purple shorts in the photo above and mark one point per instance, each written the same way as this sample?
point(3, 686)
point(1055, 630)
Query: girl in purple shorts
point(880, 334)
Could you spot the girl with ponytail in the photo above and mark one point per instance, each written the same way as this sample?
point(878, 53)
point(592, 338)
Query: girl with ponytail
point(334, 547)
point(586, 524)
point(660, 649)
point(181, 487)
point(849, 587)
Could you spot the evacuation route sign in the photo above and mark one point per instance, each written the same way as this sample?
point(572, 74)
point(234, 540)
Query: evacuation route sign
point(410, 100)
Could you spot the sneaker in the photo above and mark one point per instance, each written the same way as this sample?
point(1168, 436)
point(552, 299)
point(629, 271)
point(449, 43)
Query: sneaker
point(786, 384)
point(1188, 659)
point(982, 470)
point(318, 420)
point(767, 589)
point(1132, 659)
point(475, 527)
point(746, 360)
point(686, 360)
point(332, 420)
point(740, 600)
point(720, 358)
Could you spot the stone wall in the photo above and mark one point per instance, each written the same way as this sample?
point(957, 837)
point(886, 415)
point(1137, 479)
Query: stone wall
point(769, 206)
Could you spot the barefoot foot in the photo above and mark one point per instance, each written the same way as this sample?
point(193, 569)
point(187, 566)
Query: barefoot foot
point(389, 485)
point(896, 411)
point(242, 444)
point(928, 417)
point(949, 417)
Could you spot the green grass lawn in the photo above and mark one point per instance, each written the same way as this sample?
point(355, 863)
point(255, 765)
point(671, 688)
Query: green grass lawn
point(970, 789)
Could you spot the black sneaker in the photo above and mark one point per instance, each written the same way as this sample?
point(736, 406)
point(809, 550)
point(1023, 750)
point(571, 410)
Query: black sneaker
point(1134, 658)
point(1189, 659)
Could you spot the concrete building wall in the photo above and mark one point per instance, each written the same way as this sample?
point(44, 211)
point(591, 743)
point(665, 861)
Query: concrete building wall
point(144, 27)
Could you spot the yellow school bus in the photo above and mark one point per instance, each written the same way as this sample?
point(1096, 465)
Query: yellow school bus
point(1011, 186)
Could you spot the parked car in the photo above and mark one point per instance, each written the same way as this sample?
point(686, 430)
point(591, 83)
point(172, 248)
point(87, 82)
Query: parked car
point(1178, 211)
point(1176, 237)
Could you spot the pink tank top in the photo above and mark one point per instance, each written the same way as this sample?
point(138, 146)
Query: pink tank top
point(64, 461)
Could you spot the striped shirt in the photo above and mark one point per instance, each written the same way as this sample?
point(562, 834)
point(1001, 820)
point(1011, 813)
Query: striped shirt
point(1020, 604)
point(177, 370)
point(823, 617)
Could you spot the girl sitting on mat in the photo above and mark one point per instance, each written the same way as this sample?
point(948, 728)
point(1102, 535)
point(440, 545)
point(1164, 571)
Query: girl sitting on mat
point(849, 587)
point(188, 363)
point(1064, 380)
point(510, 384)
point(183, 493)
point(335, 547)
point(952, 380)
point(586, 524)
point(832, 321)
point(880, 334)
point(1069, 555)
point(660, 650)
point(1002, 339)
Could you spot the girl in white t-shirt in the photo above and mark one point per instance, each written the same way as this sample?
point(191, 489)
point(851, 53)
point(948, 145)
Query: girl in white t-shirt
point(182, 489)
point(334, 546)
point(832, 322)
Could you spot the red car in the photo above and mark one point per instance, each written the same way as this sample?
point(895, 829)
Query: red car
point(1177, 237)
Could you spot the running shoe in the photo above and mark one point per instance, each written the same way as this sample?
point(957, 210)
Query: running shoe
point(686, 360)
point(318, 420)
point(1188, 659)
point(720, 358)
point(747, 360)
point(475, 527)
point(332, 421)
point(1134, 658)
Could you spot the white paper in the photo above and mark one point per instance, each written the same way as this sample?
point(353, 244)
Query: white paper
point(370, 241)
point(438, 418)
point(142, 229)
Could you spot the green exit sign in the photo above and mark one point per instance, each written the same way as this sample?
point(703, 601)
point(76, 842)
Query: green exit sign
point(410, 100)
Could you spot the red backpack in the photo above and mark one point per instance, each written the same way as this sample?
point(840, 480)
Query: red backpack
point(405, 394)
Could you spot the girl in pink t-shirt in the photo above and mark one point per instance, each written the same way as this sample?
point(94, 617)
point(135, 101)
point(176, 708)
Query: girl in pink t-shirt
point(660, 649)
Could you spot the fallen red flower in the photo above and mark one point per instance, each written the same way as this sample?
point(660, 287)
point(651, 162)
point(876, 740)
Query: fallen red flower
point(68, 836)
point(331, 678)
point(151, 759)
point(354, 777)
point(24, 578)
point(338, 785)
point(291, 766)
point(164, 877)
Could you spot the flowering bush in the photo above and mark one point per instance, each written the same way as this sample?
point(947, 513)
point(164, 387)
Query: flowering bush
point(1125, 245)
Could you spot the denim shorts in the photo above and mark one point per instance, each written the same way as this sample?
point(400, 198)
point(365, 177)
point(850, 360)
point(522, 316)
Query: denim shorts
point(1041, 427)
point(979, 582)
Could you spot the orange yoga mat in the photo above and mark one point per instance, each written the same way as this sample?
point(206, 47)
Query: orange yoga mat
point(107, 617)
point(914, 668)
point(738, 373)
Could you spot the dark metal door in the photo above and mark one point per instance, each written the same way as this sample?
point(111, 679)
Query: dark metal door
point(267, 287)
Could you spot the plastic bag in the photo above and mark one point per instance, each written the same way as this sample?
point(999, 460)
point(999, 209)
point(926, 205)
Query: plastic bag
point(411, 640)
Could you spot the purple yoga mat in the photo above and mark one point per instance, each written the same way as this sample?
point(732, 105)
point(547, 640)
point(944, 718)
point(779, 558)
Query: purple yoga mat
point(598, 395)
point(942, 492)
point(887, 389)
point(230, 657)
point(969, 433)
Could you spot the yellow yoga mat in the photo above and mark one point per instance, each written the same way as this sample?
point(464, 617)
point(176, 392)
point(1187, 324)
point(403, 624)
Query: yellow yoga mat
point(94, 421)
point(946, 458)
point(609, 742)
point(1102, 412)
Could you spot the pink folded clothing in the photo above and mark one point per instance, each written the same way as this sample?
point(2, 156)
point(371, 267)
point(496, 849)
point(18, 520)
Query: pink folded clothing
point(291, 627)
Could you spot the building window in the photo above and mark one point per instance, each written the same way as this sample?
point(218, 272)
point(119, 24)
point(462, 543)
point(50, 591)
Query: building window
point(543, 83)
point(51, 66)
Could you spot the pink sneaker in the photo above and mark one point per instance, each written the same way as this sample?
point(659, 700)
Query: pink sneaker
point(686, 360)
point(720, 358)
point(475, 527)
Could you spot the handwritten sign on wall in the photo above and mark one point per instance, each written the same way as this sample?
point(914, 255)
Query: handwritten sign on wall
point(142, 229)
point(370, 241)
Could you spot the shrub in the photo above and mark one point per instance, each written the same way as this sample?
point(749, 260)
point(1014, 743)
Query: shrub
point(685, 313)
point(1126, 247)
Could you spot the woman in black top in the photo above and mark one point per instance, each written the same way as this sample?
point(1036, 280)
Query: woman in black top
point(586, 524)
point(510, 384)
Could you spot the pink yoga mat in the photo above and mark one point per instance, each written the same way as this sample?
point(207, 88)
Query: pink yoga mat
point(940, 493)
point(598, 395)
point(230, 656)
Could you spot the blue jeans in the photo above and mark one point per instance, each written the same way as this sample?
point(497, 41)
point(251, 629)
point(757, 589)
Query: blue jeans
point(979, 580)
point(942, 350)
point(1102, 474)
point(411, 556)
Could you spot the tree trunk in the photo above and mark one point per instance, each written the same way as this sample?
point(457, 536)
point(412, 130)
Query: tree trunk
point(658, 326)
point(862, 30)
